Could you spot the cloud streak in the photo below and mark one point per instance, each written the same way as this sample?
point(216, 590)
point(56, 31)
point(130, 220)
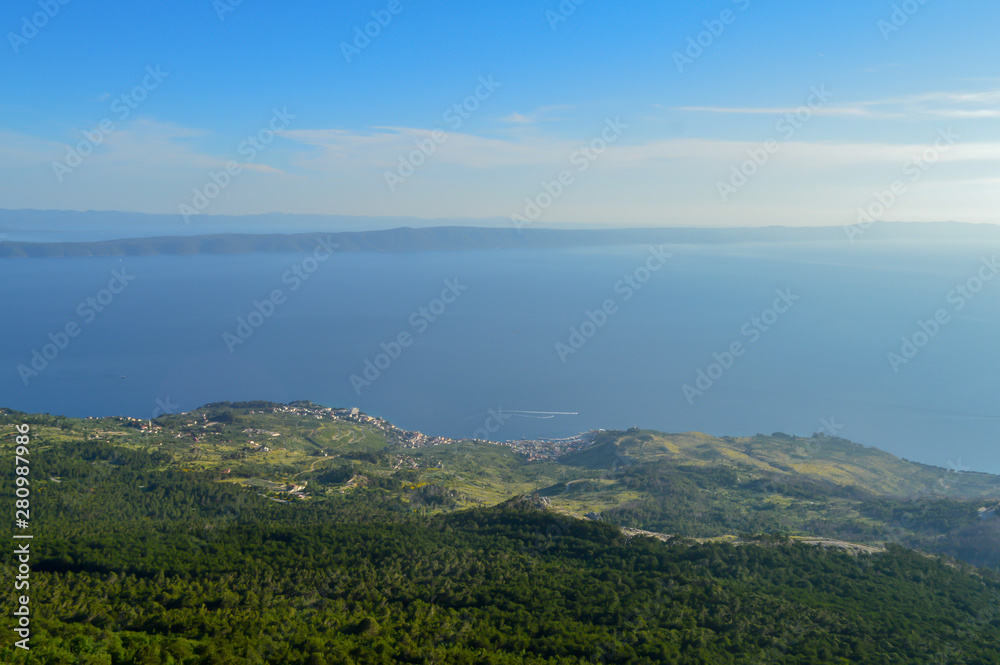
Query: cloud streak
point(934, 104)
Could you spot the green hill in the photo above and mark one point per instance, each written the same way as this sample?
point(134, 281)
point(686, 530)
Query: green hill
point(265, 533)
point(685, 485)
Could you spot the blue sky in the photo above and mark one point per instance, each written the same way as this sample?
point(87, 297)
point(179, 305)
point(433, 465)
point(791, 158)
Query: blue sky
point(893, 78)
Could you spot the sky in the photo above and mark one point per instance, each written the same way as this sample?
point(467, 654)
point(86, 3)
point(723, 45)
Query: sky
point(547, 113)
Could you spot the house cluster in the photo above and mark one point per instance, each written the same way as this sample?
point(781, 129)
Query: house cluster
point(409, 439)
point(260, 432)
point(549, 449)
point(537, 449)
point(403, 462)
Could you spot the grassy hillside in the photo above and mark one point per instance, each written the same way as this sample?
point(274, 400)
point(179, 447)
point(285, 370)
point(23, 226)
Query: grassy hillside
point(688, 485)
point(185, 544)
point(824, 459)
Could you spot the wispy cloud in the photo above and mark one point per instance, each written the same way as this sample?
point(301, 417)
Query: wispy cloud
point(641, 179)
point(20, 150)
point(541, 114)
point(933, 104)
point(517, 118)
point(142, 145)
point(780, 110)
point(382, 147)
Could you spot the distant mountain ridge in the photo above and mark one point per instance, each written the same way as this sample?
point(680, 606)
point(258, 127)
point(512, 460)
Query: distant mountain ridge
point(469, 238)
point(77, 225)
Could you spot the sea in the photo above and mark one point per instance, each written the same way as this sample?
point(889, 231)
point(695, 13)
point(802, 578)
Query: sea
point(892, 344)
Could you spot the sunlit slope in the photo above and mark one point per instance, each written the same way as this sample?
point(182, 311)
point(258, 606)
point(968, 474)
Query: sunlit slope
point(827, 459)
point(689, 485)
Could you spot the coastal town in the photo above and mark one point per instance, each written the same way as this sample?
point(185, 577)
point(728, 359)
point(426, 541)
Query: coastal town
point(200, 427)
point(533, 449)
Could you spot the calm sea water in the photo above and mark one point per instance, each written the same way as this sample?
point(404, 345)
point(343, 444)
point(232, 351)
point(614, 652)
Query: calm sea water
point(819, 364)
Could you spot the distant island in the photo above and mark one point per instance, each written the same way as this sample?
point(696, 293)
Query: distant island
point(460, 238)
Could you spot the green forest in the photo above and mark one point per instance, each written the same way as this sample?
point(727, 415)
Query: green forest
point(139, 557)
